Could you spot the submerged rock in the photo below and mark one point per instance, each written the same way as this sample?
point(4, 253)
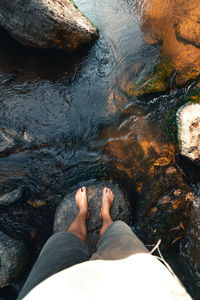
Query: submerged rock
point(47, 23)
point(11, 197)
point(148, 167)
point(188, 119)
point(68, 210)
point(156, 82)
point(188, 28)
point(6, 142)
point(175, 25)
point(12, 259)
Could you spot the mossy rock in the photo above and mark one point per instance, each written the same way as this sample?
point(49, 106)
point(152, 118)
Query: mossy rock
point(156, 81)
point(67, 211)
point(194, 97)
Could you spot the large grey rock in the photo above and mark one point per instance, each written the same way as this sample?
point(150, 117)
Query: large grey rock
point(13, 258)
point(188, 119)
point(67, 211)
point(11, 197)
point(46, 23)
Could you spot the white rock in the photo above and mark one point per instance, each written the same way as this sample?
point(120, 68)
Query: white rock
point(188, 119)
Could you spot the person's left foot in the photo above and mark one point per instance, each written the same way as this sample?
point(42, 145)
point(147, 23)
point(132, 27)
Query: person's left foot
point(81, 201)
point(107, 202)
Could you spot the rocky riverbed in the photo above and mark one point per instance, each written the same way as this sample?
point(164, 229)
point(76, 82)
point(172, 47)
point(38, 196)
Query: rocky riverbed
point(108, 113)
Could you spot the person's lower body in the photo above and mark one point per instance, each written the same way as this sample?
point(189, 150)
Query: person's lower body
point(61, 251)
point(64, 249)
point(118, 242)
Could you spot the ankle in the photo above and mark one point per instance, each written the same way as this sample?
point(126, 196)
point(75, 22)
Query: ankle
point(106, 218)
point(83, 213)
point(105, 225)
point(105, 213)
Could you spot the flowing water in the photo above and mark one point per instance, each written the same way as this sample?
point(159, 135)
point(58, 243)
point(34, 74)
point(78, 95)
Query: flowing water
point(66, 120)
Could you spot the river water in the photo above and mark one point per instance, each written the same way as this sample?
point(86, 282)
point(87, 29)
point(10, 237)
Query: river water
point(66, 119)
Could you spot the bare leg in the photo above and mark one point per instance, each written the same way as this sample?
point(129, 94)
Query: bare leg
point(78, 226)
point(107, 201)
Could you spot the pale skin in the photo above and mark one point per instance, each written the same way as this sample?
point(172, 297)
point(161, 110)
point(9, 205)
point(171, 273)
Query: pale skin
point(78, 226)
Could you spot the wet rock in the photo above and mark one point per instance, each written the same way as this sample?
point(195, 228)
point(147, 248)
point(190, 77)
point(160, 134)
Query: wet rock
point(156, 82)
point(47, 23)
point(11, 197)
point(188, 120)
point(190, 248)
point(169, 194)
point(149, 167)
point(115, 104)
point(6, 142)
point(12, 259)
point(67, 211)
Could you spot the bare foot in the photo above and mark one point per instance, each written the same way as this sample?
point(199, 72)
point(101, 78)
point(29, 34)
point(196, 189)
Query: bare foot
point(107, 202)
point(81, 201)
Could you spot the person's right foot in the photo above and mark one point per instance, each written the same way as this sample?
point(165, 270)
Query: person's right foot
point(107, 201)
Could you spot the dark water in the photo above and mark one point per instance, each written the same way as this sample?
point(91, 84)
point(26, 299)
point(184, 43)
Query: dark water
point(66, 120)
point(54, 105)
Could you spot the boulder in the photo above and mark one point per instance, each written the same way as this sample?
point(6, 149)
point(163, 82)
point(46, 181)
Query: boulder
point(11, 197)
point(188, 121)
point(67, 211)
point(46, 23)
point(12, 259)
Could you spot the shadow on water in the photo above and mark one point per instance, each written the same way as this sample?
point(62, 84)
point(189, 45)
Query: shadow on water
point(66, 120)
point(33, 63)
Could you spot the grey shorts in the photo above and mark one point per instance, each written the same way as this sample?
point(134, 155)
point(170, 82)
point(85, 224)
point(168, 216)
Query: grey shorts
point(64, 250)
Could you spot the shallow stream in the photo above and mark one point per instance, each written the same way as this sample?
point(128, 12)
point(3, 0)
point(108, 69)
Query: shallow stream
point(67, 120)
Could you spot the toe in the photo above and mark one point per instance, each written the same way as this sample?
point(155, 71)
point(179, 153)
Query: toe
point(109, 191)
point(105, 190)
point(79, 191)
point(83, 189)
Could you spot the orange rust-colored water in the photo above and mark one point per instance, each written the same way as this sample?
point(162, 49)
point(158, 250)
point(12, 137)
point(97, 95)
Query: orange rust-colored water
point(175, 25)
